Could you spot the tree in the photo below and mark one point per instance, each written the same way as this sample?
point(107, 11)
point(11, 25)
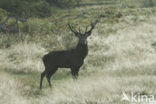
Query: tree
point(26, 7)
point(22, 9)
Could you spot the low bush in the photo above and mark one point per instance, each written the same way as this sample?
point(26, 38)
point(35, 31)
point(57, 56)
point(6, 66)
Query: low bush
point(148, 3)
point(3, 13)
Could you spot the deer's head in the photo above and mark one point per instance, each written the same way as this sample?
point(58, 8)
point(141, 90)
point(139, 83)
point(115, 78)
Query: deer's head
point(83, 36)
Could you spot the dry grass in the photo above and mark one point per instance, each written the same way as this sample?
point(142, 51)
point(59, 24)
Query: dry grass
point(24, 57)
point(10, 90)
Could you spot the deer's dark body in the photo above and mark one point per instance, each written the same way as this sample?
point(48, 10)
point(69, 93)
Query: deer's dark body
point(66, 59)
point(73, 58)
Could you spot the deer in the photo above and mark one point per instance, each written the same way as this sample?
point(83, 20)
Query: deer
point(71, 58)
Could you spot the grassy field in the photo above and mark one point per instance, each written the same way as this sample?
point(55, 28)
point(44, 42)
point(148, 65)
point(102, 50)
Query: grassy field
point(122, 55)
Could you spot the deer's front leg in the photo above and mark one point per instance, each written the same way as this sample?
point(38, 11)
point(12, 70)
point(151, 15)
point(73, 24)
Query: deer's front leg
point(75, 72)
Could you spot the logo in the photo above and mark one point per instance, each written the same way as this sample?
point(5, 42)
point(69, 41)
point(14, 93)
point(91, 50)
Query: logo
point(125, 97)
point(137, 98)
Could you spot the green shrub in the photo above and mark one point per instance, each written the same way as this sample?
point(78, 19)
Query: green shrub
point(3, 13)
point(148, 3)
point(26, 7)
point(41, 9)
point(15, 7)
point(61, 3)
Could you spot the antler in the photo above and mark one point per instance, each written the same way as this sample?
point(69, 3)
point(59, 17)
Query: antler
point(92, 27)
point(87, 33)
point(73, 30)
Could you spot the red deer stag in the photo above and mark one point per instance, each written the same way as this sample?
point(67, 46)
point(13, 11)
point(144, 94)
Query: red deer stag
point(73, 58)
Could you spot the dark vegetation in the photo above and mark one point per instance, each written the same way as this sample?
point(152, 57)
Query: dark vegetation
point(14, 14)
point(21, 10)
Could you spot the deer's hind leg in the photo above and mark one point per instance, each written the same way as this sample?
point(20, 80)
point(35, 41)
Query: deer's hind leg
point(50, 73)
point(42, 76)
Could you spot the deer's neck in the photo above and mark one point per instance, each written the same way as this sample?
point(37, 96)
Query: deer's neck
point(82, 50)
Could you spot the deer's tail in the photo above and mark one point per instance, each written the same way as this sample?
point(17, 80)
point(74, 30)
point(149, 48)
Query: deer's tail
point(44, 59)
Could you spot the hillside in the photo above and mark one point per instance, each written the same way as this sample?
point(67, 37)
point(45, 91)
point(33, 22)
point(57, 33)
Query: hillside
point(122, 56)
